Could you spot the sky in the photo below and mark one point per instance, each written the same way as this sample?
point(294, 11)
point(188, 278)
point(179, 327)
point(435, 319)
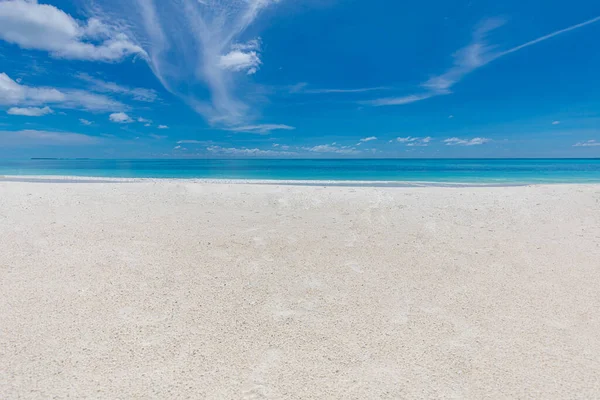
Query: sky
point(299, 78)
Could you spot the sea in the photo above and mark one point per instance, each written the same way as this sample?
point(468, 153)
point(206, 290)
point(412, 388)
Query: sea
point(342, 171)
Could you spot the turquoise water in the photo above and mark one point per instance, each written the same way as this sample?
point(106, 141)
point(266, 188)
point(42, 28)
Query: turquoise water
point(480, 171)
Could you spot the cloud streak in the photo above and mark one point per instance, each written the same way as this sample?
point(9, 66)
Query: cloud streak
point(262, 129)
point(13, 93)
point(29, 137)
point(138, 94)
point(466, 142)
point(589, 143)
point(412, 141)
point(466, 60)
point(303, 88)
point(254, 152)
point(332, 148)
point(549, 36)
point(30, 111)
point(368, 139)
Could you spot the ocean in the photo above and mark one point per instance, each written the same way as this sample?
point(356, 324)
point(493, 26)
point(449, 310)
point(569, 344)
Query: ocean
point(433, 171)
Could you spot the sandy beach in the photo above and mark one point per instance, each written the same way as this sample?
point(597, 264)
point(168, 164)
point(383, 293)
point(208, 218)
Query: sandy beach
point(175, 289)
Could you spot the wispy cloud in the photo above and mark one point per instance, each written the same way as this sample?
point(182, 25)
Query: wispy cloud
point(262, 129)
point(30, 111)
point(163, 127)
point(368, 139)
point(192, 141)
point(555, 122)
point(85, 121)
point(303, 88)
point(412, 141)
point(332, 148)
point(195, 46)
point(44, 27)
point(13, 93)
point(396, 101)
point(253, 152)
point(589, 143)
point(30, 137)
point(466, 142)
point(466, 60)
point(139, 94)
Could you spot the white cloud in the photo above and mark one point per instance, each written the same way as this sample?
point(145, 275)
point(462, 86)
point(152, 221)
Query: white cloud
point(332, 148)
point(139, 94)
point(466, 142)
point(143, 120)
point(415, 141)
point(555, 122)
point(243, 56)
point(13, 93)
point(466, 60)
point(120, 118)
point(262, 129)
point(247, 152)
point(30, 137)
point(44, 27)
point(157, 137)
point(163, 127)
point(85, 121)
point(589, 143)
point(238, 60)
point(368, 139)
point(281, 146)
point(30, 111)
point(421, 142)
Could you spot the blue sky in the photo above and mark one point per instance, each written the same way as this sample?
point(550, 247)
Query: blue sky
point(299, 78)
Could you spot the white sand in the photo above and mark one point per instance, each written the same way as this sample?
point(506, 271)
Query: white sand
point(187, 290)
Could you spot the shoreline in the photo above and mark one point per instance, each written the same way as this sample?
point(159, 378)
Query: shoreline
point(283, 182)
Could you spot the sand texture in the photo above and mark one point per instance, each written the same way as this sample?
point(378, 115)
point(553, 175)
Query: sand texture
point(188, 290)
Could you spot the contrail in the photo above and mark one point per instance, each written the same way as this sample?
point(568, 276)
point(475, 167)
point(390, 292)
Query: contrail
point(550, 35)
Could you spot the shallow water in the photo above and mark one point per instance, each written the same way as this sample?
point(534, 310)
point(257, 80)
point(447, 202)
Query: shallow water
point(441, 171)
